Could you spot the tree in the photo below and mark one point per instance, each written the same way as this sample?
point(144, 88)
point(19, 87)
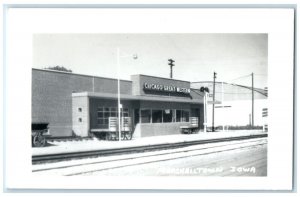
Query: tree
point(59, 68)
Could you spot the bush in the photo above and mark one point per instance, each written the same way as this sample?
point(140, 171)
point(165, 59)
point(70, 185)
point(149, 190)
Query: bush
point(59, 68)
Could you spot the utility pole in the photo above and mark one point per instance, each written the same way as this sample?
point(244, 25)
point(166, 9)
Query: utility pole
point(252, 76)
point(171, 63)
point(222, 104)
point(205, 90)
point(213, 108)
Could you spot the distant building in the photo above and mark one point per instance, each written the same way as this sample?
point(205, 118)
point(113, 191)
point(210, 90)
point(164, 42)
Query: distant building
point(233, 106)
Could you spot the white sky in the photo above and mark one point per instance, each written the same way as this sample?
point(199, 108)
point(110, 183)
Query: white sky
point(196, 56)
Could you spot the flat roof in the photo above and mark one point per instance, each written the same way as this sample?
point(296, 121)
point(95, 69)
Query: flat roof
point(137, 97)
point(161, 78)
point(71, 73)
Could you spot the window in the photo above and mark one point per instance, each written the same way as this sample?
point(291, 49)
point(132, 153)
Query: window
point(100, 113)
point(185, 115)
point(79, 109)
point(145, 116)
point(103, 114)
point(125, 112)
point(178, 115)
point(182, 115)
point(162, 116)
point(156, 116)
point(80, 119)
point(167, 115)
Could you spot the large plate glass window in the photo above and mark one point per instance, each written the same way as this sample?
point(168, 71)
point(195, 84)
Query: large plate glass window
point(156, 116)
point(185, 115)
point(145, 116)
point(168, 115)
point(103, 114)
point(178, 115)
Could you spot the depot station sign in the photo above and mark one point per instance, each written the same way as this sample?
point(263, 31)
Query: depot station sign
point(166, 88)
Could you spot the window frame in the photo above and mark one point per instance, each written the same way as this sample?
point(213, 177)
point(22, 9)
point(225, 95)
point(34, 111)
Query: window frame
point(174, 118)
point(102, 121)
point(150, 120)
point(171, 112)
point(162, 120)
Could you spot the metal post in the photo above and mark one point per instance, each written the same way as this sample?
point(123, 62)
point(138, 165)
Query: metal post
point(205, 111)
point(120, 122)
point(119, 100)
point(213, 111)
point(252, 100)
point(223, 105)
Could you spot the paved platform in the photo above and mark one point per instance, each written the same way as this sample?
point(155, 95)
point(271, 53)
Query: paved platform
point(95, 144)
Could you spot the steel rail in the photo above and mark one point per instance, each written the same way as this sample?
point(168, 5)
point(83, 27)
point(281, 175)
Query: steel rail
point(160, 160)
point(136, 149)
point(153, 154)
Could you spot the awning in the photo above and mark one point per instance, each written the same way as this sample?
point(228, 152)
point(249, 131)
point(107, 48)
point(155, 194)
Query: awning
point(138, 97)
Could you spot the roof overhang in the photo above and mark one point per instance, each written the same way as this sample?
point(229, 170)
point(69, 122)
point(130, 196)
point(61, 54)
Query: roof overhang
point(137, 97)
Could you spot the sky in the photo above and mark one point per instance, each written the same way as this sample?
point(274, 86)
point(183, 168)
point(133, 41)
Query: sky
point(232, 56)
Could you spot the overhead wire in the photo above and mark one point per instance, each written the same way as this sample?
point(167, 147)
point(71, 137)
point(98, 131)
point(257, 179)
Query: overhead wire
point(209, 84)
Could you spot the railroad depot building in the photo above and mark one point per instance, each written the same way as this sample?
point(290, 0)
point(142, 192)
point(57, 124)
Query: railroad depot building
point(82, 105)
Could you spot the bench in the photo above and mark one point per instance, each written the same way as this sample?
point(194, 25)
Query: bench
point(192, 127)
point(112, 132)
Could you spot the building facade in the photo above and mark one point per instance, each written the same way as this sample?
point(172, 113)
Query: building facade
point(233, 104)
point(80, 105)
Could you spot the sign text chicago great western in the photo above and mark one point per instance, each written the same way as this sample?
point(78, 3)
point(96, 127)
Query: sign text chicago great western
point(165, 88)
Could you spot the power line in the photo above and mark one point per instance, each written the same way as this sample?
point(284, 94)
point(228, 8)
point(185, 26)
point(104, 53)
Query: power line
point(228, 81)
point(261, 74)
point(240, 77)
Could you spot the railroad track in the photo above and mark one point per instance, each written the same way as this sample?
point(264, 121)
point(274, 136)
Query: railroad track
point(127, 150)
point(102, 164)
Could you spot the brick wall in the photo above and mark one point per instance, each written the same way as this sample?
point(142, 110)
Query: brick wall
point(52, 96)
